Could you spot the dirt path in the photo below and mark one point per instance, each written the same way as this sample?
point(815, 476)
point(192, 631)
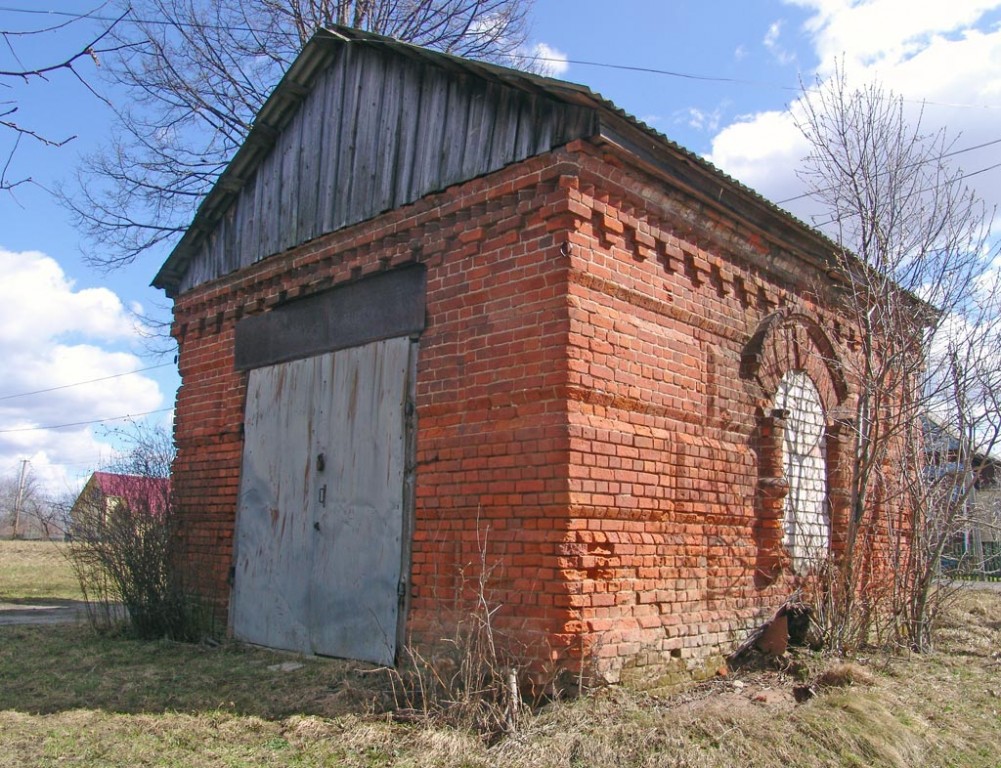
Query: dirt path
point(41, 611)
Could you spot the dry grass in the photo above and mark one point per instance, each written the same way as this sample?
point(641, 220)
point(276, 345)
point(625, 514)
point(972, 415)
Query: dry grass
point(70, 697)
point(36, 570)
point(843, 675)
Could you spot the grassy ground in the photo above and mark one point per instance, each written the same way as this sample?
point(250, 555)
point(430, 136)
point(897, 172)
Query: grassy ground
point(68, 696)
point(36, 570)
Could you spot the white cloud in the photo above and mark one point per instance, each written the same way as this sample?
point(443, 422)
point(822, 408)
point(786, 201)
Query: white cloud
point(754, 149)
point(771, 42)
point(772, 35)
point(874, 31)
point(548, 60)
point(53, 335)
point(699, 119)
point(942, 58)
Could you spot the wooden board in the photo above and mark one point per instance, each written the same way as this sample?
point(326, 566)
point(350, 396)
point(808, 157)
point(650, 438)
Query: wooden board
point(377, 131)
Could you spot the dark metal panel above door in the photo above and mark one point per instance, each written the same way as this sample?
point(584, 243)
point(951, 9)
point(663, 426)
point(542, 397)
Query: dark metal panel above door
point(384, 306)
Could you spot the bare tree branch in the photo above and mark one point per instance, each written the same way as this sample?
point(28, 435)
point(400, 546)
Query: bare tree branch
point(91, 51)
point(26, 511)
point(197, 71)
point(916, 266)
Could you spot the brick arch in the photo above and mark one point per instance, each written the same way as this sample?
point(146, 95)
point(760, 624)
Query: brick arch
point(792, 341)
point(787, 342)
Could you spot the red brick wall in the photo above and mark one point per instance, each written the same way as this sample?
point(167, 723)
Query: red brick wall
point(590, 404)
point(673, 552)
point(492, 440)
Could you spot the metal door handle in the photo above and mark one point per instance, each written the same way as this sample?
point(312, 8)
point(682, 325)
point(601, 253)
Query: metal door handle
point(323, 496)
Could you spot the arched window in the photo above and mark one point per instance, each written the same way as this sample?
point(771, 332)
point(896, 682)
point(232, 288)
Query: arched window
point(806, 517)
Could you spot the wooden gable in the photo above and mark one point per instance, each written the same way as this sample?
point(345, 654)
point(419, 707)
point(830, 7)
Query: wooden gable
point(357, 128)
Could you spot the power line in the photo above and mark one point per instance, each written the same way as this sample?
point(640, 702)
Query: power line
point(513, 56)
point(977, 173)
point(84, 423)
point(912, 165)
point(654, 71)
point(81, 383)
point(919, 192)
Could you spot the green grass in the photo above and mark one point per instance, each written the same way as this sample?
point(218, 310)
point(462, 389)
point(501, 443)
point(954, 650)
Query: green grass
point(69, 696)
point(68, 693)
point(121, 675)
point(36, 570)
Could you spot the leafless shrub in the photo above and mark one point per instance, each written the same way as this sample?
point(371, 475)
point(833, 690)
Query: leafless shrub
point(915, 288)
point(125, 548)
point(845, 616)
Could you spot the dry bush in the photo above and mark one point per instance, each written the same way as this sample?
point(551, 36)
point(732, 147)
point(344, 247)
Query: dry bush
point(465, 680)
point(127, 558)
point(462, 683)
point(844, 675)
point(125, 546)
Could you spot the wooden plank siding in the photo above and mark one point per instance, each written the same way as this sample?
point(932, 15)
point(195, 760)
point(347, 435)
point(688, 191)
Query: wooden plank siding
point(377, 131)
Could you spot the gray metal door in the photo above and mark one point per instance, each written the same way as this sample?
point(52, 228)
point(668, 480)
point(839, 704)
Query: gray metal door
point(319, 540)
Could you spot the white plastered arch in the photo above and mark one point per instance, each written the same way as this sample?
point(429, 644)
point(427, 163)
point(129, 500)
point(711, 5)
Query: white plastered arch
point(806, 518)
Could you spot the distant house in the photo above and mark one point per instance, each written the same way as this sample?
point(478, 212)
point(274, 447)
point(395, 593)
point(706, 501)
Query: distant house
point(107, 493)
point(980, 540)
point(976, 545)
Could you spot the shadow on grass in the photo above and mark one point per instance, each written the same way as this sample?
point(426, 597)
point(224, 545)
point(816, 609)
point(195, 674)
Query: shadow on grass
point(57, 668)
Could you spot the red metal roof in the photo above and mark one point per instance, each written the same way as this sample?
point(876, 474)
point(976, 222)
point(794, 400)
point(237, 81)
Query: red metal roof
point(134, 490)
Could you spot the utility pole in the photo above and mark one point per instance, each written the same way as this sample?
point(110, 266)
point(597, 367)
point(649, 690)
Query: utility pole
point(20, 496)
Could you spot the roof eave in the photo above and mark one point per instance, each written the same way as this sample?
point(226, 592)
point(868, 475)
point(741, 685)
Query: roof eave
point(273, 116)
point(715, 189)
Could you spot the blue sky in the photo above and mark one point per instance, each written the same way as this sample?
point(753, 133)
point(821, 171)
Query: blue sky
point(729, 72)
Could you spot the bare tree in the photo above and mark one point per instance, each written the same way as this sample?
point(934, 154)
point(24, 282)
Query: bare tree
point(15, 491)
point(913, 259)
point(89, 52)
point(965, 435)
point(200, 74)
point(26, 510)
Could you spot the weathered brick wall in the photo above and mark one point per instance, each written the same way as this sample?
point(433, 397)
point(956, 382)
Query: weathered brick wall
point(492, 442)
point(674, 550)
point(594, 396)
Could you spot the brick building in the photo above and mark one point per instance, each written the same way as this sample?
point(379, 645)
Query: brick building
point(438, 316)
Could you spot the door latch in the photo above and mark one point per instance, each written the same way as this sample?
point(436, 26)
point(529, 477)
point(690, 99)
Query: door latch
point(322, 496)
